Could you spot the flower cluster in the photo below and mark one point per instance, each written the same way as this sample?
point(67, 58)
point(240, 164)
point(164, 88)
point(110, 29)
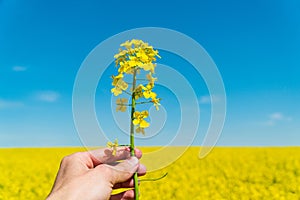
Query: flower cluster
point(135, 56)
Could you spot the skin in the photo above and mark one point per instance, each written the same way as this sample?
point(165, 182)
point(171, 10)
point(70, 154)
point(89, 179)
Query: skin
point(92, 175)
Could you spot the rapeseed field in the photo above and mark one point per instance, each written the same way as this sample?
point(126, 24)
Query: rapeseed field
point(226, 173)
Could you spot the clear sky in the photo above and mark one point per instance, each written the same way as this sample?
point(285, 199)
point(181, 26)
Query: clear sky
point(254, 43)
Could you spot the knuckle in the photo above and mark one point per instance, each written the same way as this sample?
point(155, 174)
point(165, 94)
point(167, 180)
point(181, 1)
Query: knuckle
point(70, 158)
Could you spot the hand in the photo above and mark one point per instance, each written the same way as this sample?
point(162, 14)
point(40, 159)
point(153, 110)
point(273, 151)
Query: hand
point(92, 175)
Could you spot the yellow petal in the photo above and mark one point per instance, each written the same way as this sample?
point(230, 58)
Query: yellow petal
point(123, 108)
point(124, 100)
point(118, 101)
point(140, 130)
point(145, 113)
point(116, 91)
point(147, 94)
point(153, 95)
point(126, 44)
point(109, 144)
point(148, 67)
point(135, 121)
point(136, 114)
point(144, 124)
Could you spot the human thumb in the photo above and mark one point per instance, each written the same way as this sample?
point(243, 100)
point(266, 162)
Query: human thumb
point(124, 170)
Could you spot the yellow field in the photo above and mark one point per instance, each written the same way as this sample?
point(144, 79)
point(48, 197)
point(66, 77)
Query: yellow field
point(226, 173)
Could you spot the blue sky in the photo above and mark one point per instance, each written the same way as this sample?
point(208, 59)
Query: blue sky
point(255, 45)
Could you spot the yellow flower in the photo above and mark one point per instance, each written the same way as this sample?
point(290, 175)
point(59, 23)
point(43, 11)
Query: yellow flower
point(137, 43)
point(149, 67)
point(139, 119)
point(121, 53)
point(124, 67)
point(150, 78)
point(148, 91)
point(122, 104)
point(149, 86)
point(156, 102)
point(113, 146)
point(120, 85)
point(149, 94)
point(126, 44)
point(140, 130)
point(116, 79)
point(142, 56)
point(116, 91)
point(138, 92)
point(133, 63)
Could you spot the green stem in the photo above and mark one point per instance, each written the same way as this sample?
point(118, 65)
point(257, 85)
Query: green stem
point(135, 177)
point(154, 179)
point(136, 103)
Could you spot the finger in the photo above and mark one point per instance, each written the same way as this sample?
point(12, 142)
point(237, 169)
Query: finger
point(126, 184)
point(142, 170)
point(123, 171)
point(129, 194)
point(130, 183)
point(105, 155)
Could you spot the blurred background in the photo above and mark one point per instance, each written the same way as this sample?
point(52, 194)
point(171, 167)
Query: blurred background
point(255, 45)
